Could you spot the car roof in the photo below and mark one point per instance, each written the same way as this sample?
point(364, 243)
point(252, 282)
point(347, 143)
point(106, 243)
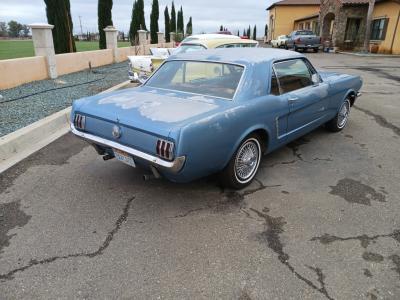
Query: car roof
point(206, 36)
point(214, 43)
point(242, 56)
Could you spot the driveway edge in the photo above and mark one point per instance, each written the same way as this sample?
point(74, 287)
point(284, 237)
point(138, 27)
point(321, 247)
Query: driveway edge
point(23, 142)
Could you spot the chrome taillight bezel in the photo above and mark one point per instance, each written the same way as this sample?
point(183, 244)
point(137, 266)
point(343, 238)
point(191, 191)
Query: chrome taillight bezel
point(79, 121)
point(165, 149)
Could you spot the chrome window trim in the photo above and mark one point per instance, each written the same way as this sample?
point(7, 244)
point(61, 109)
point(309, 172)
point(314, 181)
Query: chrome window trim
point(306, 62)
point(172, 166)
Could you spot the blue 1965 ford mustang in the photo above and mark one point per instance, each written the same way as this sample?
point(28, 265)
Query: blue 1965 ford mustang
point(215, 111)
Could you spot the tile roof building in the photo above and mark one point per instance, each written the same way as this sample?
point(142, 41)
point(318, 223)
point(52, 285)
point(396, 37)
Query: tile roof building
point(342, 23)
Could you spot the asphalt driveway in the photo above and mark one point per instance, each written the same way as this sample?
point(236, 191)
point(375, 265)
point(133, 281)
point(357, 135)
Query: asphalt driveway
point(321, 220)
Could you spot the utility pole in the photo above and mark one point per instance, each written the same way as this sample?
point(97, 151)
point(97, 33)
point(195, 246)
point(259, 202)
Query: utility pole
point(80, 23)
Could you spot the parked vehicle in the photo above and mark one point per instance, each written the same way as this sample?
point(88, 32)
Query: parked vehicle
point(209, 36)
point(280, 42)
point(303, 40)
point(143, 66)
point(215, 111)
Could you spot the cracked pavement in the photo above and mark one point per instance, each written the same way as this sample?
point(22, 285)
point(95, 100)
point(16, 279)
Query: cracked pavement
point(321, 220)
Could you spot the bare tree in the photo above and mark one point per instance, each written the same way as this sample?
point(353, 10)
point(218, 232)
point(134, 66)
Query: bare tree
point(371, 5)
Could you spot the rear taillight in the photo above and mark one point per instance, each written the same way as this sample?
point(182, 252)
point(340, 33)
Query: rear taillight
point(79, 121)
point(165, 149)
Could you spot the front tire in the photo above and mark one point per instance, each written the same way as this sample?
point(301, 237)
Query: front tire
point(244, 163)
point(316, 50)
point(340, 120)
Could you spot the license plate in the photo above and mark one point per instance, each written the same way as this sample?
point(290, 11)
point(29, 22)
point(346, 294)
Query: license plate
point(124, 157)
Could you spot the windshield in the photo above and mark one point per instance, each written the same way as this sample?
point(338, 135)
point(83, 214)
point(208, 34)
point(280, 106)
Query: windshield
point(188, 48)
point(304, 32)
point(190, 38)
point(198, 77)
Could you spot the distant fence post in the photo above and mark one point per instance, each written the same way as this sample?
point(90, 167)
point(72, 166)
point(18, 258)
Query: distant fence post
point(111, 40)
point(43, 44)
point(160, 36)
point(173, 37)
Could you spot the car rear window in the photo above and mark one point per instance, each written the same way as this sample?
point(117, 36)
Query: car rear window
point(198, 77)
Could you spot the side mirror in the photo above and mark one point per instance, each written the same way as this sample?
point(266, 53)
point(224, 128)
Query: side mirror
point(140, 78)
point(315, 78)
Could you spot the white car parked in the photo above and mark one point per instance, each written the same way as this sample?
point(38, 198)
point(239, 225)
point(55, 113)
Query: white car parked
point(280, 42)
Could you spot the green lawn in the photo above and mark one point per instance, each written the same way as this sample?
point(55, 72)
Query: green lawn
point(16, 49)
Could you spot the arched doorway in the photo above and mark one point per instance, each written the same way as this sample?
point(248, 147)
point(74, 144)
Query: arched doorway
point(328, 27)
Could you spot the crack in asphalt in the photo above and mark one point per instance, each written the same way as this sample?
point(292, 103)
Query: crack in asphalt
point(363, 239)
point(295, 145)
point(321, 278)
point(232, 198)
point(34, 262)
point(380, 120)
point(274, 227)
point(396, 261)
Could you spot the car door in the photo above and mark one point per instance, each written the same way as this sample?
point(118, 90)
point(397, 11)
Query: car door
point(306, 94)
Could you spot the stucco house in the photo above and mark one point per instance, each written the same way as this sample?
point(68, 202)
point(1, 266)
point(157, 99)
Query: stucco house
point(341, 22)
point(283, 14)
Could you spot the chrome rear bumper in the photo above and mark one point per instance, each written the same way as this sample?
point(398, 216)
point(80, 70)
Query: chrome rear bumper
point(171, 166)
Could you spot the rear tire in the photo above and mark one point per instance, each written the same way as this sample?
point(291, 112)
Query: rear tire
point(244, 163)
point(316, 50)
point(340, 120)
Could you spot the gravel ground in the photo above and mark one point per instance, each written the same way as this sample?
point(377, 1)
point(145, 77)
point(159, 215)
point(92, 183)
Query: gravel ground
point(22, 112)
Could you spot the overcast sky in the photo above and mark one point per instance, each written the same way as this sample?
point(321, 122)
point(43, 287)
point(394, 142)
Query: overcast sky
point(207, 15)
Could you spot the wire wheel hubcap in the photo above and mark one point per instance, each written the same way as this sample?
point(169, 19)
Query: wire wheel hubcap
point(247, 160)
point(343, 114)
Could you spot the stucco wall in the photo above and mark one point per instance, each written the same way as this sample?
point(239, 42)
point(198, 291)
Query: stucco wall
point(74, 62)
point(391, 10)
point(14, 72)
point(284, 17)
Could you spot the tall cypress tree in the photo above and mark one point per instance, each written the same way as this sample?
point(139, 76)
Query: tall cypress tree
point(172, 26)
point(140, 15)
point(180, 24)
point(167, 24)
point(104, 15)
point(134, 27)
point(244, 32)
point(59, 14)
point(189, 27)
point(238, 34)
point(154, 22)
point(249, 32)
point(255, 32)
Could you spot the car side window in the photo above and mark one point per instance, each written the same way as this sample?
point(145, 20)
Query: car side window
point(292, 75)
point(274, 84)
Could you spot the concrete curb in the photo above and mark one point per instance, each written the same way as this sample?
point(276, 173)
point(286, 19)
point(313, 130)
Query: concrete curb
point(19, 144)
point(369, 55)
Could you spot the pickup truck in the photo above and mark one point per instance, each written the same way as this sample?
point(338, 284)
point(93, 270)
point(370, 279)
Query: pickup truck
point(303, 40)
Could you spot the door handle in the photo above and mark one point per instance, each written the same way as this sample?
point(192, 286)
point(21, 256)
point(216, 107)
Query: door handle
point(292, 99)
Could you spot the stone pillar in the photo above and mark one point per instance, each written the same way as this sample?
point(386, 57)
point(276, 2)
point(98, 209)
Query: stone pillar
point(160, 36)
point(172, 37)
point(142, 37)
point(112, 40)
point(43, 44)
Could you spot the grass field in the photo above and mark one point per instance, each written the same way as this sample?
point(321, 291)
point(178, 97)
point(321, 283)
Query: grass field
point(16, 49)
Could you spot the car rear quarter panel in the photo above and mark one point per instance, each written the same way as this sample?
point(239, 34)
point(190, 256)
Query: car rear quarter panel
point(341, 86)
point(209, 143)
